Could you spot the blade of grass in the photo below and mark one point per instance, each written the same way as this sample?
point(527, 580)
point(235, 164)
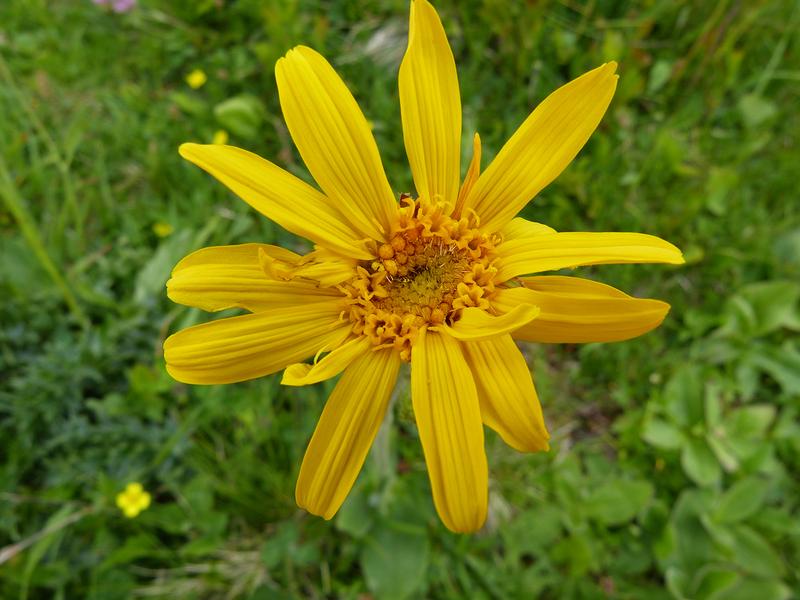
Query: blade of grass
point(15, 205)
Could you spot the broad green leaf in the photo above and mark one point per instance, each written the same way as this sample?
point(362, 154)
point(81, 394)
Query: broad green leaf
point(782, 364)
point(618, 500)
point(746, 588)
point(693, 545)
point(532, 530)
point(683, 396)
point(677, 582)
point(763, 307)
point(241, 115)
point(747, 422)
point(662, 434)
point(355, 517)
point(741, 500)
point(395, 560)
point(724, 453)
point(753, 553)
point(699, 462)
point(756, 110)
point(711, 581)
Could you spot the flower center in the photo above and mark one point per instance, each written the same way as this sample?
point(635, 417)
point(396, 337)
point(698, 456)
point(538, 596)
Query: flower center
point(432, 267)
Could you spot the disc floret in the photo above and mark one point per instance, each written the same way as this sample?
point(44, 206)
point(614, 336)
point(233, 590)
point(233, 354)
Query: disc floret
point(432, 266)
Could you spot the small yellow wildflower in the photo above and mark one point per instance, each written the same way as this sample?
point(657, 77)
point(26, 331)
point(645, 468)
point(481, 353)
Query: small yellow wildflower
point(163, 229)
point(133, 500)
point(445, 281)
point(220, 137)
point(196, 79)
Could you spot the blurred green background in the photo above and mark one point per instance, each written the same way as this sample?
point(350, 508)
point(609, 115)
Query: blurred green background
point(675, 458)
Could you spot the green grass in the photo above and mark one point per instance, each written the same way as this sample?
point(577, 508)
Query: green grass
point(676, 457)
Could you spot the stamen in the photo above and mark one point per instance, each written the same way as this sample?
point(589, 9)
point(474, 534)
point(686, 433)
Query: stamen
point(431, 268)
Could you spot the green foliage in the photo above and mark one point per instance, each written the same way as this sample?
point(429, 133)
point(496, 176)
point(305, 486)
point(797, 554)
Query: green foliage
point(675, 459)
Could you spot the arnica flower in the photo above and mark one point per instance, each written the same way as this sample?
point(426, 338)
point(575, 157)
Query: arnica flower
point(441, 280)
point(133, 500)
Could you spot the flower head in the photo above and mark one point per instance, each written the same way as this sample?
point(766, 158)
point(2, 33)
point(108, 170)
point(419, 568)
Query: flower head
point(196, 79)
point(133, 500)
point(445, 280)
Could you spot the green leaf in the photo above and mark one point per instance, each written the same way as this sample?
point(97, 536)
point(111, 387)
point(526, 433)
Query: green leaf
point(661, 434)
point(532, 531)
point(241, 115)
point(693, 546)
point(724, 453)
point(711, 580)
point(753, 553)
point(782, 364)
point(756, 110)
point(742, 500)
point(761, 308)
point(394, 561)
point(753, 589)
point(722, 183)
point(699, 462)
point(683, 396)
point(355, 517)
point(748, 422)
point(280, 544)
point(618, 501)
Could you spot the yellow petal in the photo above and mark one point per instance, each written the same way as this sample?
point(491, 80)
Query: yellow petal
point(430, 106)
point(250, 346)
point(326, 268)
point(476, 324)
point(335, 140)
point(345, 431)
point(279, 196)
point(562, 250)
point(577, 311)
point(449, 420)
point(330, 366)
point(519, 228)
point(508, 400)
point(471, 177)
point(542, 147)
point(223, 277)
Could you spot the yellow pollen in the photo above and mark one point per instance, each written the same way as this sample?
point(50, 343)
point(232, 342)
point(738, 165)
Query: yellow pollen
point(431, 268)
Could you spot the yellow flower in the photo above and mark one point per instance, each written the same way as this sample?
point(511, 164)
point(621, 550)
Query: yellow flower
point(163, 229)
point(196, 79)
point(220, 137)
point(133, 500)
point(441, 281)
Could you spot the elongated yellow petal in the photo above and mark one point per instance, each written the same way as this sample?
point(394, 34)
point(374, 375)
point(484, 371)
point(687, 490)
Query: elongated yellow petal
point(519, 228)
point(330, 366)
point(542, 147)
point(577, 311)
point(335, 140)
point(344, 434)
point(449, 420)
point(250, 346)
point(476, 324)
point(473, 172)
point(430, 106)
point(326, 268)
point(223, 277)
point(279, 196)
point(562, 250)
point(508, 400)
